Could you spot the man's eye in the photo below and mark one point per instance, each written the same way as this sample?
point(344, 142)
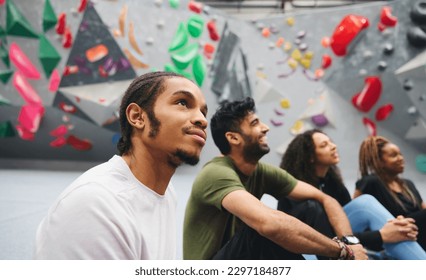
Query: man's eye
point(183, 102)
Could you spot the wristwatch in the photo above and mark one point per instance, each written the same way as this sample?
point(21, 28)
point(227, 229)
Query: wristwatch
point(350, 239)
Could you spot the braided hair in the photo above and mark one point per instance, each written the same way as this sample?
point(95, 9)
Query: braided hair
point(143, 91)
point(370, 162)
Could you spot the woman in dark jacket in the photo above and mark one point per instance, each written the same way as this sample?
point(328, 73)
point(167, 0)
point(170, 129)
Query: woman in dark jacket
point(380, 166)
point(312, 157)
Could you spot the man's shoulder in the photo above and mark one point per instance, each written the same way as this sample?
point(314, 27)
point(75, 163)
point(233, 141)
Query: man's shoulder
point(217, 165)
point(103, 180)
point(267, 167)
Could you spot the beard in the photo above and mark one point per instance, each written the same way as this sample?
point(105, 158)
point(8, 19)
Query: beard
point(155, 124)
point(180, 156)
point(253, 151)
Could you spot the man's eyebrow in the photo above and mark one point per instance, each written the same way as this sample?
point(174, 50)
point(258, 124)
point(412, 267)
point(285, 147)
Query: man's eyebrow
point(184, 92)
point(192, 96)
point(254, 121)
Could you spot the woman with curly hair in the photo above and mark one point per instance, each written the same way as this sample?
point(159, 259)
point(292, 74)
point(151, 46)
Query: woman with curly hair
point(313, 157)
point(380, 165)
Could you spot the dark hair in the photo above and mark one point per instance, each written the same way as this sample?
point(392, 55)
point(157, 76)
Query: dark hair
point(228, 117)
point(143, 91)
point(370, 162)
point(297, 160)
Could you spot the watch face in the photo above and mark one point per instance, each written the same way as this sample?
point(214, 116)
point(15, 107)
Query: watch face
point(350, 239)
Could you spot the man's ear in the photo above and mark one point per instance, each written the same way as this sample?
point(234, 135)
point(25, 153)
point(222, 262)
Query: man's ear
point(233, 138)
point(135, 115)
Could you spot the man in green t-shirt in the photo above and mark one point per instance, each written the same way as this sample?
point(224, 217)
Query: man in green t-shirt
point(225, 218)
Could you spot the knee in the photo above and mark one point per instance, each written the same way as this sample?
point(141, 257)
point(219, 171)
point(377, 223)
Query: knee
point(366, 199)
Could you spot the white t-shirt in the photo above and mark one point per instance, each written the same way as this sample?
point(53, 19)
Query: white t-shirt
point(107, 213)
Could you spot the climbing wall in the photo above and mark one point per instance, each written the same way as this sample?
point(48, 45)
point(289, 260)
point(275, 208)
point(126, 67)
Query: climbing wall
point(352, 71)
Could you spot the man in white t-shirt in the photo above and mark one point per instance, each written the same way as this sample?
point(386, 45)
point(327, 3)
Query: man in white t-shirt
point(125, 208)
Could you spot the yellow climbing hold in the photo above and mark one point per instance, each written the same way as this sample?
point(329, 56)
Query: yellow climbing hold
point(306, 63)
point(292, 63)
point(285, 103)
point(297, 127)
point(296, 55)
point(309, 55)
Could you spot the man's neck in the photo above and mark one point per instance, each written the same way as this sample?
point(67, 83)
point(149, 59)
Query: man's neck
point(247, 168)
point(154, 174)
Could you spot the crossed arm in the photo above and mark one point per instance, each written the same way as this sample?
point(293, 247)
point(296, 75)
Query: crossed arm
point(287, 231)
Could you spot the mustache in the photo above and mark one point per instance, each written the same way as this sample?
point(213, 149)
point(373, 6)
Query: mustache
point(188, 129)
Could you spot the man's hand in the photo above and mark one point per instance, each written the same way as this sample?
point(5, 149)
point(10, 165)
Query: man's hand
point(359, 252)
point(399, 229)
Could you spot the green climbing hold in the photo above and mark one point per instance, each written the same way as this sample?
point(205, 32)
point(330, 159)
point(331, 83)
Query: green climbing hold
point(183, 57)
point(172, 68)
point(195, 26)
point(6, 130)
point(421, 163)
point(199, 69)
point(16, 23)
point(5, 76)
point(180, 39)
point(49, 16)
point(2, 32)
point(174, 3)
point(48, 56)
point(4, 55)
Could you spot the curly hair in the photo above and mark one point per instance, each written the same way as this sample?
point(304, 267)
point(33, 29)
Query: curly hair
point(143, 91)
point(299, 156)
point(370, 162)
point(228, 117)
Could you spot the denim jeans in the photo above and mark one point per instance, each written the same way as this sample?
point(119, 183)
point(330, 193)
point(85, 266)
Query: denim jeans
point(365, 212)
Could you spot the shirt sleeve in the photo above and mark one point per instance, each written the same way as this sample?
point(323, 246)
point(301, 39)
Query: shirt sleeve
point(277, 182)
point(214, 182)
point(371, 239)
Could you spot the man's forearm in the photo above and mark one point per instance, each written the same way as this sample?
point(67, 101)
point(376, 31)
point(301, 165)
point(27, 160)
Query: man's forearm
point(297, 237)
point(337, 217)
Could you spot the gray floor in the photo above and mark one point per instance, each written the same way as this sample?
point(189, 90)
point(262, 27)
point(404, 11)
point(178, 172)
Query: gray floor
point(25, 196)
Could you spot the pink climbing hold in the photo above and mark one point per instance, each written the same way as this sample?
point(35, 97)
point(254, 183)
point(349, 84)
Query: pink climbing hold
point(24, 134)
point(22, 62)
point(25, 89)
point(61, 130)
point(58, 142)
point(30, 117)
point(54, 81)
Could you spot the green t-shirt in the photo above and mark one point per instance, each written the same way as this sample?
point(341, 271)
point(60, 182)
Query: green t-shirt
point(205, 219)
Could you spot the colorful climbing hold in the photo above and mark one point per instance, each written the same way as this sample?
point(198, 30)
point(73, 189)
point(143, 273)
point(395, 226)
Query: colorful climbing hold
point(384, 112)
point(369, 95)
